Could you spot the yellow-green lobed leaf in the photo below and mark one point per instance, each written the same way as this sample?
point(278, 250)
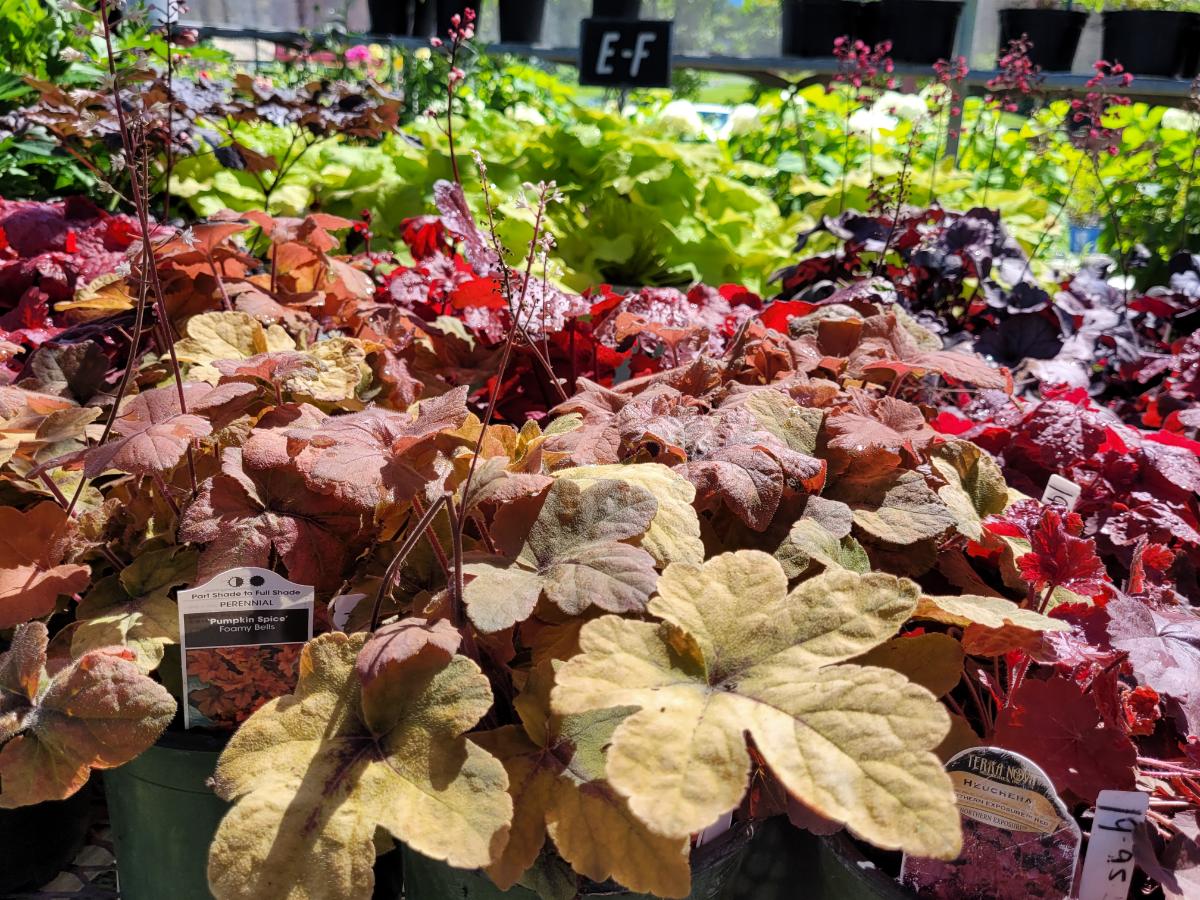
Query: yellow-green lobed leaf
point(853, 743)
point(315, 773)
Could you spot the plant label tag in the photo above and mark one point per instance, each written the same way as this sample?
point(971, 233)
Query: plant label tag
point(1061, 492)
point(240, 639)
point(1108, 866)
point(1019, 839)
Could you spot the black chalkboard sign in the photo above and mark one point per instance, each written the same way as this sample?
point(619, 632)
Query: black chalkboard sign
point(625, 53)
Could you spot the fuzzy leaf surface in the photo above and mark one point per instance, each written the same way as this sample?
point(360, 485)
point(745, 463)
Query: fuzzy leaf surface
point(575, 554)
point(314, 774)
point(736, 653)
point(99, 712)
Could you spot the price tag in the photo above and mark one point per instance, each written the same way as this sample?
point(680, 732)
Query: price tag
point(240, 635)
point(1108, 866)
point(1061, 492)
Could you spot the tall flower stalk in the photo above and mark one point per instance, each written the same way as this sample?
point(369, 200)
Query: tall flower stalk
point(1019, 79)
point(462, 30)
point(947, 104)
point(865, 71)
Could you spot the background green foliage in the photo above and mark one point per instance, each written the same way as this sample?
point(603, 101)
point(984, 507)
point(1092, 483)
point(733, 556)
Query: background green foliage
point(650, 197)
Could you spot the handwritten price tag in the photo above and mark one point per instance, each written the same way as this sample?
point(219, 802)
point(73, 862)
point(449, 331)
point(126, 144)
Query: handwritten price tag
point(1109, 863)
point(1061, 492)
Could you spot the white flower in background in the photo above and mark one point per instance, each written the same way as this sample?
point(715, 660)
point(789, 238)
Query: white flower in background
point(527, 114)
point(903, 106)
point(681, 116)
point(871, 122)
point(1122, 282)
point(744, 118)
point(1181, 120)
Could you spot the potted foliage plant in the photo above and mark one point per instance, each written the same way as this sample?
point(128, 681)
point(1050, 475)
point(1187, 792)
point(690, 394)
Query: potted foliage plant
point(1151, 37)
point(810, 27)
point(1052, 26)
point(921, 31)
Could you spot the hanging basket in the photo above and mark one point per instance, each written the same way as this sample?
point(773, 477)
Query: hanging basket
point(1149, 41)
point(810, 27)
point(1054, 34)
point(921, 31)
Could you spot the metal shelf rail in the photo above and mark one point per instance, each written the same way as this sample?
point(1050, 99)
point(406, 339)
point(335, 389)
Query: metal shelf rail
point(771, 69)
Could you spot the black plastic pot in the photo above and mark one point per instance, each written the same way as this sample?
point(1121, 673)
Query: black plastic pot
point(810, 27)
point(1191, 59)
point(1054, 33)
point(164, 816)
point(40, 840)
point(921, 31)
point(448, 8)
point(521, 21)
point(841, 871)
point(714, 877)
point(1149, 41)
point(616, 9)
point(409, 18)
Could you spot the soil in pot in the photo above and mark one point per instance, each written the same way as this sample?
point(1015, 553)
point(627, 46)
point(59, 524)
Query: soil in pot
point(921, 31)
point(714, 876)
point(810, 27)
point(449, 8)
point(164, 816)
point(40, 840)
point(1148, 42)
point(521, 21)
point(1054, 34)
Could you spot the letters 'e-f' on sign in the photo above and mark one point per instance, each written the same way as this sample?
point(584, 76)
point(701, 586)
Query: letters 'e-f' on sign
point(625, 53)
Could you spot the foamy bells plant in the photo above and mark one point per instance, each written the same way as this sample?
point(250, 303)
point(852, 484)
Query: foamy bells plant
point(621, 753)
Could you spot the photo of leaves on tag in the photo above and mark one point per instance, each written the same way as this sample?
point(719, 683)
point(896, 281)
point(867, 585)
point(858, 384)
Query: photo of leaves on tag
point(241, 635)
point(1019, 840)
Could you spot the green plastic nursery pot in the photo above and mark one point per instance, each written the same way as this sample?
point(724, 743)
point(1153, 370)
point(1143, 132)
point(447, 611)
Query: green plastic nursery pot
point(714, 877)
point(163, 818)
point(39, 841)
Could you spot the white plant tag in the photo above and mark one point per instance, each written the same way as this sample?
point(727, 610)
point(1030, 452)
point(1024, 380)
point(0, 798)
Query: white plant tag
point(240, 636)
point(1108, 866)
point(1061, 492)
point(715, 830)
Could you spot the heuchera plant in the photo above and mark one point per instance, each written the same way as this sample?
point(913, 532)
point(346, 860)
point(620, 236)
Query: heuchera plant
point(616, 568)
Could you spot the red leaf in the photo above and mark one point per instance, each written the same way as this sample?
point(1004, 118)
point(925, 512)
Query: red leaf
point(1141, 707)
point(260, 505)
point(1060, 728)
point(1163, 644)
point(778, 314)
point(1059, 559)
point(151, 435)
point(888, 423)
point(479, 293)
point(32, 572)
point(395, 645)
point(949, 423)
